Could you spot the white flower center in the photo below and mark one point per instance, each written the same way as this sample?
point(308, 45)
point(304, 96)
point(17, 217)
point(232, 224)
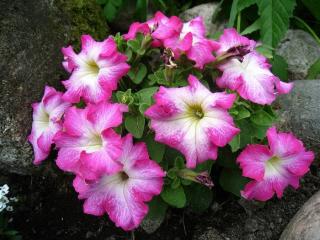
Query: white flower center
point(42, 120)
point(92, 67)
point(95, 143)
point(273, 166)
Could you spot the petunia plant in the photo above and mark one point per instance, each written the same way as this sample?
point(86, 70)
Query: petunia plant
point(161, 115)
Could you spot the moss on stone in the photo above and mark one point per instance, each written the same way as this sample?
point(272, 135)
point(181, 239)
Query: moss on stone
point(85, 17)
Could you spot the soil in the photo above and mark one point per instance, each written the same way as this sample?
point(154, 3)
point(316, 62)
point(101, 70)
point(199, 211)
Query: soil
point(48, 209)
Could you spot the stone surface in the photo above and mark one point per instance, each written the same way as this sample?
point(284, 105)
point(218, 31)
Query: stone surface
point(208, 234)
point(300, 50)
point(32, 34)
point(300, 113)
point(150, 225)
point(306, 223)
point(206, 11)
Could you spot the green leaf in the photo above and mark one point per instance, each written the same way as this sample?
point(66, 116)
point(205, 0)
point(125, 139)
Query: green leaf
point(246, 131)
point(145, 95)
point(231, 180)
point(143, 107)
point(314, 70)
point(242, 112)
point(233, 13)
point(175, 183)
point(141, 10)
point(125, 97)
point(179, 162)
point(262, 118)
point(172, 173)
point(199, 197)
point(235, 143)
point(134, 44)
point(280, 67)
point(186, 182)
point(138, 73)
point(128, 54)
point(158, 77)
point(259, 131)
point(238, 6)
point(111, 9)
point(135, 124)
point(226, 158)
point(101, 1)
point(174, 197)
point(155, 149)
point(314, 7)
point(275, 16)
point(252, 28)
point(157, 210)
point(265, 51)
point(205, 166)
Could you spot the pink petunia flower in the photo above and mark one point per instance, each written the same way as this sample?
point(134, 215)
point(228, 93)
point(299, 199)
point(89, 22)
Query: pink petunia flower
point(252, 79)
point(46, 122)
point(135, 28)
point(87, 145)
point(231, 40)
point(95, 71)
point(192, 41)
point(123, 195)
point(160, 27)
point(192, 120)
point(275, 167)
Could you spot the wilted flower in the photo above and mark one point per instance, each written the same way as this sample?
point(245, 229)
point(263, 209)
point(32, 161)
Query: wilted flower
point(192, 120)
point(123, 195)
point(46, 122)
point(275, 167)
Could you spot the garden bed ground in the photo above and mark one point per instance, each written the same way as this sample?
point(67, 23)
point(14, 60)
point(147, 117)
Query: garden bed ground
point(50, 210)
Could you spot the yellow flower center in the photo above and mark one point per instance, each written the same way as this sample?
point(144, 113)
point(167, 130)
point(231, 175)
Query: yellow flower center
point(195, 112)
point(95, 144)
point(93, 66)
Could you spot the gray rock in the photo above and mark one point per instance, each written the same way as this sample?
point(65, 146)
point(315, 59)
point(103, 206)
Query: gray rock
point(32, 34)
point(206, 11)
point(151, 225)
point(300, 50)
point(300, 113)
point(208, 234)
point(305, 225)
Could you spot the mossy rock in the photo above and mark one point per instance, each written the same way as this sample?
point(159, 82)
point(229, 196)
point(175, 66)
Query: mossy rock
point(32, 35)
point(84, 17)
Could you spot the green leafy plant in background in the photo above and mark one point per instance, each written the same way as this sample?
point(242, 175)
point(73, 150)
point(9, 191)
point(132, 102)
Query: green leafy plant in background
point(271, 23)
point(112, 8)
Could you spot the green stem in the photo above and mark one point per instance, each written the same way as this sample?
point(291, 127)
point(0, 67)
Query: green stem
point(314, 35)
point(239, 22)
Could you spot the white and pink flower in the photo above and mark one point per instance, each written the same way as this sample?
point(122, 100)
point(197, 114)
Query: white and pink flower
point(87, 145)
point(231, 39)
point(252, 79)
point(275, 167)
point(192, 120)
point(123, 195)
point(160, 27)
point(95, 71)
point(46, 123)
point(192, 41)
